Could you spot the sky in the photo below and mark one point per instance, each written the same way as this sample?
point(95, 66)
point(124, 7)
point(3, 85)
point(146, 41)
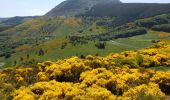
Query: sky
point(11, 8)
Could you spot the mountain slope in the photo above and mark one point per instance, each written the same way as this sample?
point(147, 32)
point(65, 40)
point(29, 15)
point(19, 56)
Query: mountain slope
point(54, 37)
point(126, 12)
point(3, 19)
point(60, 37)
point(16, 20)
point(76, 7)
point(6, 23)
point(123, 12)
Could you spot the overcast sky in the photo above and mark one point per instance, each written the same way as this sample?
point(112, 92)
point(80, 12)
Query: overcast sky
point(10, 8)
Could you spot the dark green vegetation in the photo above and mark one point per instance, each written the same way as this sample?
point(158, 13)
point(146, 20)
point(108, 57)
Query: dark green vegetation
point(51, 37)
point(127, 12)
point(164, 27)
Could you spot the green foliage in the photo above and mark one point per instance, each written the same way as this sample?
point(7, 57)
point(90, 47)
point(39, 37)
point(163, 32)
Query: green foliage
point(107, 36)
point(41, 52)
point(101, 45)
point(150, 22)
point(163, 27)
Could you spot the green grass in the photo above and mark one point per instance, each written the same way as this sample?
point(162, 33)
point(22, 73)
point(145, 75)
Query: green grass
point(161, 68)
point(137, 42)
point(64, 30)
point(123, 44)
point(114, 46)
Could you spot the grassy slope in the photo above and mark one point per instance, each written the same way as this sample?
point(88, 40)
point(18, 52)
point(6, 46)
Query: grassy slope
point(118, 45)
point(114, 46)
point(67, 26)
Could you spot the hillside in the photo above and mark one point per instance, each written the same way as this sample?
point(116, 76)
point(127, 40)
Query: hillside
point(128, 12)
point(115, 28)
point(122, 12)
point(16, 20)
point(51, 38)
point(76, 7)
point(6, 23)
point(139, 74)
point(3, 19)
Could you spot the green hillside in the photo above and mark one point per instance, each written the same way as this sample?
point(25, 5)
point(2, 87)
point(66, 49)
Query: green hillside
point(51, 38)
point(15, 20)
point(98, 31)
point(128, 12)
point(6, 23)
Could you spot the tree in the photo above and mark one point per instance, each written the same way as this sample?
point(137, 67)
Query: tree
point(101, 45)
point(28, 56)
point(21, 59)
point(7, 55)
point(41, 52)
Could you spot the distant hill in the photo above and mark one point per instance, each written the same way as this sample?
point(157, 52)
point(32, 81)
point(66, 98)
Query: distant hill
point(16, 20)
point(126, 12)
point(76, 7)
point(123, 12)
point(6, 23)
point(3, 19)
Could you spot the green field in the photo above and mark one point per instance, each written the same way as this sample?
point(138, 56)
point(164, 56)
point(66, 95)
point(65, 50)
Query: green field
point(113, 46)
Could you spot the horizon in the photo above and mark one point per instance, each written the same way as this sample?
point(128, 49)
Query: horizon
point(23, 8)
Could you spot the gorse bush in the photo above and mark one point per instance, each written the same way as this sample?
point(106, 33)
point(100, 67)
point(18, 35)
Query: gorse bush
point(122, 76)
point(145, 92)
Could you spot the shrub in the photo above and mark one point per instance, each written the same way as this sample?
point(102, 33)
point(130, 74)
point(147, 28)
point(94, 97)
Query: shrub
point(100, 45)
point(145, 92)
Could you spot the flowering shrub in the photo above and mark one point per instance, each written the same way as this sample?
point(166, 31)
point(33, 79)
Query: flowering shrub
point(54, 90)
point(42, 76)
point(163, 79)
point(145, 92)
point(123, 76)
point(100, 77)
point(67, 70)
point(23, 93)
point(128, 78)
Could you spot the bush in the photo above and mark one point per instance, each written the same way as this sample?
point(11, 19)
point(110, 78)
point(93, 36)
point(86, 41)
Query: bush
point(100, 45)
point(164, 28)
point(145, 92)
point(7, 55)
point(54, 90)
point(163, 80)
point(41, 52)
